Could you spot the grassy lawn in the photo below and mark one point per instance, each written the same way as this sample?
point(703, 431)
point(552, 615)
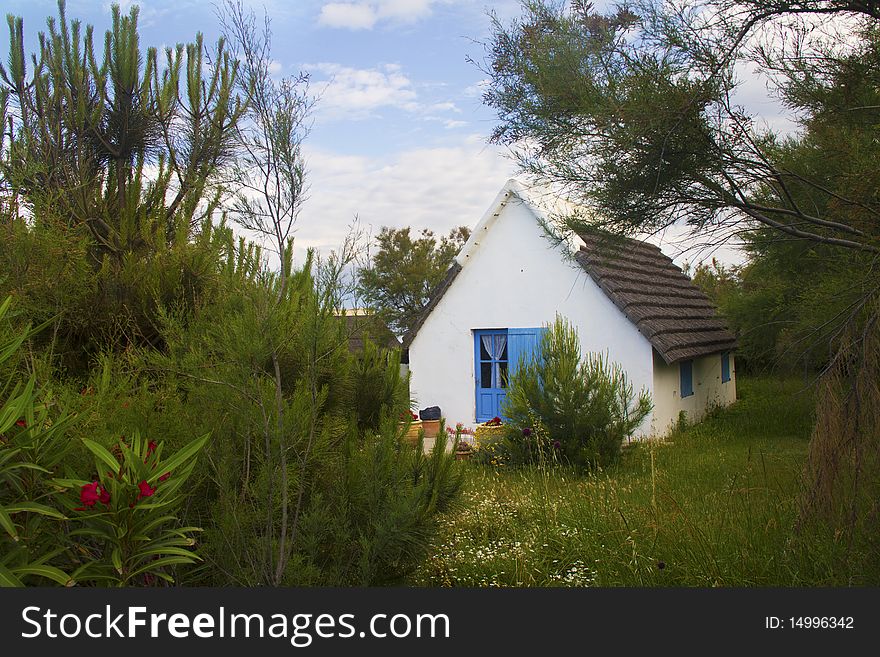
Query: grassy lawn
point(714, 505)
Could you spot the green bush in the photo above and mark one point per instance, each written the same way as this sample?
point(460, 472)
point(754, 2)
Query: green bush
point(585, 405)
point(376, 523)
point(59, 527)
point(379, 388)
point(32, 446)
point(126, 528)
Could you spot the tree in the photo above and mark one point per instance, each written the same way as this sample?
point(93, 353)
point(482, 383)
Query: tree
point(119, 154)
point(85, 134)
point(633, 114)
point(404, 271)
point(269, 174)
point(269, 187)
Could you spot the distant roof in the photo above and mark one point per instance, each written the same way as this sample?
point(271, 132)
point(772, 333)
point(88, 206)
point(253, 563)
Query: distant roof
point(433, 299)
point(676, 317)
point(360, 325)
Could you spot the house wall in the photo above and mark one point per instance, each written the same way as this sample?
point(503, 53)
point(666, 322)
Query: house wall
point(513, 277)
point(709, 392)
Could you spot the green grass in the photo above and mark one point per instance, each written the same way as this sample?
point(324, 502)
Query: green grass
point(713, 505)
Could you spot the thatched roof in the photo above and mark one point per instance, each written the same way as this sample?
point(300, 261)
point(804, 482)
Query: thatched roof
point(433, 299)
point(674, 315)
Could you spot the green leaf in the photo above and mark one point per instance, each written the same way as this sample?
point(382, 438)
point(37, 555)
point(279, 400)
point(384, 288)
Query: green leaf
point(90, 532)
point(179, 551)
point(70, 483)
point(101, 452)
point(49, 572)
point(180, 457)
point(91, 572)
point(164, 561)
point(7, 524)
point(33, 507)
point(7, 578)
point(116, 558)
point(152, 524)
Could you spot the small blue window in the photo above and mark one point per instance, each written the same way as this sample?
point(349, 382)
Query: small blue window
point(686, 373)
point(725, 367)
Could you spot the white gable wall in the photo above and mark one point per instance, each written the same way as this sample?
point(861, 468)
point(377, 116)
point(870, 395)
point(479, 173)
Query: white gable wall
point(512, 277)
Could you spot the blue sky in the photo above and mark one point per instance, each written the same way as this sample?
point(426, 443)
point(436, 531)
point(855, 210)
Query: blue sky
point(400, 132)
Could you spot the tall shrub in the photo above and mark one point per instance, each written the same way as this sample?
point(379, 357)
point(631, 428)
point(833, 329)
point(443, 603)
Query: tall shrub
point(307, 480)
point(585, 404)
point(112, 165)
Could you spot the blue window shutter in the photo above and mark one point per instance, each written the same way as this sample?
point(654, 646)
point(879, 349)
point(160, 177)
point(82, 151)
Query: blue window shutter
point(686, 374)
point(523, 344)
point(725, 367)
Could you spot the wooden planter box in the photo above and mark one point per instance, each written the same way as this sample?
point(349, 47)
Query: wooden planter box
point(411, 437)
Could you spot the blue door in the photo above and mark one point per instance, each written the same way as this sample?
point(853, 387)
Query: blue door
point(497, 354)
point(490, 367)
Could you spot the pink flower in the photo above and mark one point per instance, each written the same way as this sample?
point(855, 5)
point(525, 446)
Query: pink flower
point(165, 476)
point(88, 496)
point(145, 490)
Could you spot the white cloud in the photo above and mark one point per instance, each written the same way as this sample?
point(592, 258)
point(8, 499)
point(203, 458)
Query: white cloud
point(406, 11)
point(446, 106)
point(365, 15)
point(348, 15)
point(437, 188)
point(450, 124)
point(478, 89)
point(354, 93)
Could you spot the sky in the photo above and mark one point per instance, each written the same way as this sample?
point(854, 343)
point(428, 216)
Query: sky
point(400, 132)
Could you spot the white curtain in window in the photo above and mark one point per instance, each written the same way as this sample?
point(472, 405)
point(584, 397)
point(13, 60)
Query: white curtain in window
point(495, 349)
point(499, 344)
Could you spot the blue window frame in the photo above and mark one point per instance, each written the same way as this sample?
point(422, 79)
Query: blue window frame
point(686, 374)
point(725, 367)
point(497, 354)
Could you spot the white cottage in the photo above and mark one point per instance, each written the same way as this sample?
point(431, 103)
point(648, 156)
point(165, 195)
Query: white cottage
point(624, 297)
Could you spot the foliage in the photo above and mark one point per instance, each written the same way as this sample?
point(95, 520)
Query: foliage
point(404, 271)
point(114, 162)
point(843, 465)
point(269, 173)
point(353, 508)
point(32, 446)
point(127, 532)
point(634, 113)
point(379, 388)
point(108, 535)
point(379, 527)
point(586, 405)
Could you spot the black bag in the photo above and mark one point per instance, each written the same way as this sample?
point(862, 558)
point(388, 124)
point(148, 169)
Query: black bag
point(430, 413)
